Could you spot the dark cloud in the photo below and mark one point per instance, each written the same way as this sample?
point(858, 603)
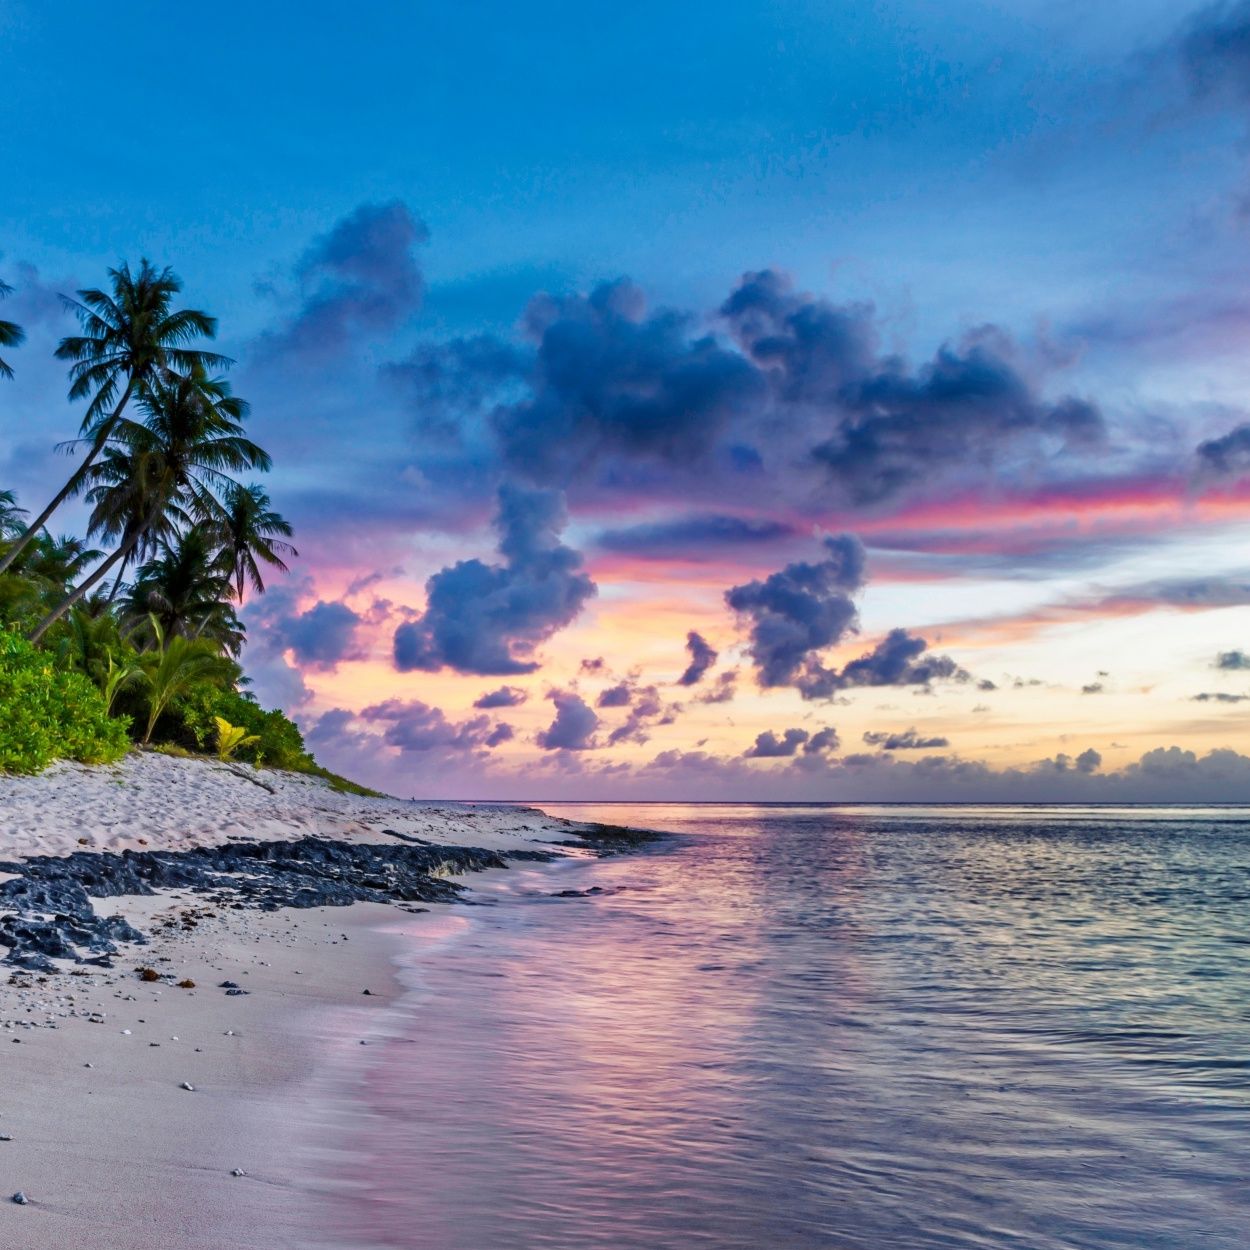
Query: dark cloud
point(413, 726)
point(822, 741)
point(573, 728)
point(899, 659)
point(702, 657)
point(696, 537)
point(597, 665)
point(500, 734)
point(610, 379)
point(889, 430)
point(1227, 457)
point(1214, 50)
point(1219, 696)
point(768, 746)
point(360, 277)
point(1094, 687)
point(646, 708)
point(505, 696)
point(488, 618)
point(801, 610)
point(907, 740)
point(722, 689)
point(615, 696)
point(321, 636)
point(1232, 661)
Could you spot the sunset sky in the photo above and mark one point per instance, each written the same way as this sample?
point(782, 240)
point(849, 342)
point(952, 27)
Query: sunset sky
point(783, 401)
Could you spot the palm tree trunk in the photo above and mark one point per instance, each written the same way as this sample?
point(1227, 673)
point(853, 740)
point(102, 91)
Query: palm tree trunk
point(117, 582)
point(79, 591)
point(71, 487)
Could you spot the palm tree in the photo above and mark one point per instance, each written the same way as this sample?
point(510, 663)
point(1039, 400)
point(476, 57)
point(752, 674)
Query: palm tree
point(11, 523)
point(177, 664)
point(132, 340)
point(166, 473)
point(250, 531)
point(185, 590)
point(11, 334)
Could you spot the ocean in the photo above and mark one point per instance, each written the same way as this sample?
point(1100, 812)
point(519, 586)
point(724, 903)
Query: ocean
point(852, 1028)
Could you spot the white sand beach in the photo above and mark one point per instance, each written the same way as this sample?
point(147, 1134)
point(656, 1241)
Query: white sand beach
point(97, 1127)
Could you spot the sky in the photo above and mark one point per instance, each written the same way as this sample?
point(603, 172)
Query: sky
point(788, 401)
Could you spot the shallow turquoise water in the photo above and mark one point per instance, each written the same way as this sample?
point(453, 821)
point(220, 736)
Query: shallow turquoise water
point(832, 1027)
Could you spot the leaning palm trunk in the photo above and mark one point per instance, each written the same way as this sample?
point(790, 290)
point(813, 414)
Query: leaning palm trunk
point(83, 587)
point(77, 478)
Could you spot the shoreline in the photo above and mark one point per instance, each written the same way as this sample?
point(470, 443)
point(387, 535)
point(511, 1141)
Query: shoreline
point(100, 1134)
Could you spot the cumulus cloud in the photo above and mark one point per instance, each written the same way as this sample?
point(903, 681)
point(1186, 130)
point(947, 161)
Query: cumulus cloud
point(611, 379)
point(799, 611)
point(889, 430)
point(415, 727)
point(722, 690)
point(646, 708)
point(1232, 661)
point(906, 740)
point(505, 696)
point(321, 636)
point(362, 276)
point(574, 726)
point(1227, 457)
point(768, 746)
point(615, 696)
point(702, 657)
point(488, 618)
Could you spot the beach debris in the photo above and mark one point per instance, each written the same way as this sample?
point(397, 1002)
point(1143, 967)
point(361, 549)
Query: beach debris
point(147, 974)
point(6, 1137)
point(125, 1032)
point(188, 1087)
point(237, 1172)
point(20, 1198)
point(88, 1065)
point(188, 984)
point(369, 992)
point(228, 985)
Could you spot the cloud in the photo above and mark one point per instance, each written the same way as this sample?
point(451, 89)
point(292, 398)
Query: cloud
point(1219, 696)
point(415, 727)
point(722, 689)
point(899, 659)
point(1232, 661)
point(646, 709)
point(321, 636)
point(360, 277)
point(701, 536)
point(1227, 457)
point(610, 379)
point(573, 728)
point(505, 696)
point(615, 696)
point(907, 740)
point(768, 746)
point(800, 610)
point(1094, 687)
point(887, 430)
point(1214, 51)
point(488, 618)
point(702, 657)
point(822, 741)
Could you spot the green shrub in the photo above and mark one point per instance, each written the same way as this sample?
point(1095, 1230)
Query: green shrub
point(278, 742)
point(47, 714)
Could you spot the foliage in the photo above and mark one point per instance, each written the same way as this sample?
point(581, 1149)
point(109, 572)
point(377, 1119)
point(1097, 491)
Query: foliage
point(231, 737)
point(177, 666)
point(277, 741)
point(50, 713)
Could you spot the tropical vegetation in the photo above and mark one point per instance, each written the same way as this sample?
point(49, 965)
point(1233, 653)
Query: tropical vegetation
point(132, 632)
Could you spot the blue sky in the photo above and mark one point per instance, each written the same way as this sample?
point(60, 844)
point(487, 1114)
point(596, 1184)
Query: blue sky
point(1056, 194)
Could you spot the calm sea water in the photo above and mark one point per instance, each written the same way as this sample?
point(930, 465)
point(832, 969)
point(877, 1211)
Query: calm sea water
point(800, 1027)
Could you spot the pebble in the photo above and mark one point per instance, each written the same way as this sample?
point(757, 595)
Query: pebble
point(187, 1086)
point(5, 1137)
point(238, 1172)
point(20, 1198)
point(125, 1032)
